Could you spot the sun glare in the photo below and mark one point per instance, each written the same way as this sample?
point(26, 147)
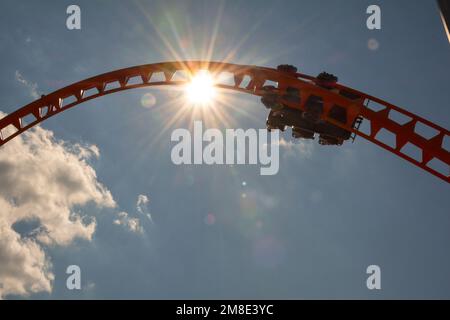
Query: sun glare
point(201, 91)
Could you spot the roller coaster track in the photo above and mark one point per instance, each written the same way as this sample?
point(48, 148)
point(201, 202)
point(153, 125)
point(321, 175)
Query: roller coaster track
point(251, 80)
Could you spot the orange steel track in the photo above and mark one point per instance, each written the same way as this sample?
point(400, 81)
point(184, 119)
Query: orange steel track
point(249, 79)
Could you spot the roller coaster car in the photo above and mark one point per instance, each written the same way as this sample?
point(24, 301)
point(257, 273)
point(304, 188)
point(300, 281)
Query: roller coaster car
point(329, 134)
point(276, 121)
point(305, 124)
point(303, 133)
point(287, 68)
point(326, 80)
point(271, 99)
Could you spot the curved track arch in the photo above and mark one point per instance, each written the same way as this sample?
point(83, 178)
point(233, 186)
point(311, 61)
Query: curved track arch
point(251, 80)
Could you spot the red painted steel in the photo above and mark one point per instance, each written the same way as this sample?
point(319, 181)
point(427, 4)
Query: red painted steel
point(251, 80)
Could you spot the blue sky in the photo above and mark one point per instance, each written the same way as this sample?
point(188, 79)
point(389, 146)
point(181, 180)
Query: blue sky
point(308, 232)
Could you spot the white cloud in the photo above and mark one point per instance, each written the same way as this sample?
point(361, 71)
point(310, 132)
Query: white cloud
point(132, 224)
point(141, 203)
point(32, 87)
point(299, 147)
point(24, 267)
point(43, 179)
point(142, 206)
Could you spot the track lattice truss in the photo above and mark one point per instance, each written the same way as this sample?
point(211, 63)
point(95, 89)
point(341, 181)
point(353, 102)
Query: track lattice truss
point(252, 79)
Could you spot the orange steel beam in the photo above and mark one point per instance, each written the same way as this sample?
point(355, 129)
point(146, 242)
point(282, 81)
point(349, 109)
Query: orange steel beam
point(251, 80)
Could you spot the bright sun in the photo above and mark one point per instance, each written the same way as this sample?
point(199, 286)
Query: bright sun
point(201, 91)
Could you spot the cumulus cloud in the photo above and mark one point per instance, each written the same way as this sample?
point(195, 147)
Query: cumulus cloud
point(32, 87)
point(46, 180)
point(299, 147)
point(132, 224)
point(24, 267)
point(142, 206)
